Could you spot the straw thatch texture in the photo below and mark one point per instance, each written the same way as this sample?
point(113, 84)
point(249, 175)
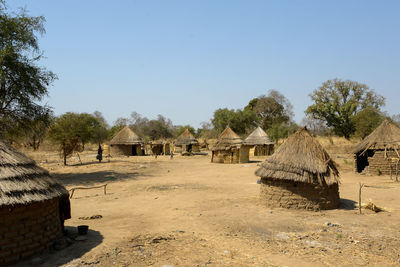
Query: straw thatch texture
point(126, 137)
point(227, 140)
point(301, 158)
point(22, 181)
point(186, 138)
point(258, 137)
point(386, 136)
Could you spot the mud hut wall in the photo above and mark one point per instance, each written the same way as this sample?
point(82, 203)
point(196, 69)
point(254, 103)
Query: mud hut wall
point(125, 150)
point(296, 195)
point(27, 229)
point(379, 162)
point(167, 149)
point(226, 156)
point(195, 148)
point(178, 149)
point(157, 149)
point(244, 153)
point(121, 150)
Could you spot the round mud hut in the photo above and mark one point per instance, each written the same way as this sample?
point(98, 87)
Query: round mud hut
point(30, 201)
point(379, 152)
point(160, 147)
point(263, 145)
point(186, 143)
point(299, 175)
point(229, 148)
point(126, 143)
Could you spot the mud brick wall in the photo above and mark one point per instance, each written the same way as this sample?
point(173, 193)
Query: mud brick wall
point(297, 195)
point(378, 161)
point(125, 150)
point(244, 154)
point(263, 150)
point(26, 230)
point(225, 156)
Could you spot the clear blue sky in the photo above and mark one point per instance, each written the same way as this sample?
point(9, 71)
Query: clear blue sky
point(184, 59)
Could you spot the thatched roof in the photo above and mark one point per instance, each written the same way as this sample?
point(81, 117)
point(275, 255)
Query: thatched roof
point(258, 137)
point(126, 137)
point(300, 158)
point(227, 140)
point(22, 181)
point(186, 138)
point(386, 136)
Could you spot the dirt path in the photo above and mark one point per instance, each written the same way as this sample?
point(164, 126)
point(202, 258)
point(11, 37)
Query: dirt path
point(190, 212)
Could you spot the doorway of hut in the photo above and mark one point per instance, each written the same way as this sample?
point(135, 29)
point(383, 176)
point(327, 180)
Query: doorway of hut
point(362, 160)
point(189, 148)
point(134, 151)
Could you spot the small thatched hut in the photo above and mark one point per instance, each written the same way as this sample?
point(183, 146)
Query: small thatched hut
point(229, 148)
point(160, 147)
point(29, 206)
point(263, 145)
point(126, 143)
point(379, 151)
point(186, 143)
point(300, 175)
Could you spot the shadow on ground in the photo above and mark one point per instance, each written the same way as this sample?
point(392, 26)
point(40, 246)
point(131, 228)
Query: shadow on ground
point(74, 250)
point(91, 178)
point(347, 204)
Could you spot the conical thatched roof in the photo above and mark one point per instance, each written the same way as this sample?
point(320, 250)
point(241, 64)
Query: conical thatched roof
point(22, 181)
point(227, 140)
point(387, 135)
point(186, 138)
point(258, 137)
point(126, 137)
point(301, 158)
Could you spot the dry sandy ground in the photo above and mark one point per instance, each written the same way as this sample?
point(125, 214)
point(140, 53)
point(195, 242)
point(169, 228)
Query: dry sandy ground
point(190, 212)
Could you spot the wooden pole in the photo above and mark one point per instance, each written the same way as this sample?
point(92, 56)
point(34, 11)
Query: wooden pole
point(397, 170)
point(359, 197)
point(79, 158)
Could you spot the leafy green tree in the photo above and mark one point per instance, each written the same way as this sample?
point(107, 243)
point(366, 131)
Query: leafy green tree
point(34, 128)
point(207, 131)
point(281, 130)
point(271, 109)
point(72, 131)
point(240, 121)
point(157, 129)
point(366, 121)
point(65, 133)
point(337, 101)
point(180, 129)
point(23, 82)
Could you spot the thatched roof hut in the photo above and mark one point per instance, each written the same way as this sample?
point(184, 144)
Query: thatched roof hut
point(186, 138)
point(126, 143)
point(159, 147)
point(386, 136)
point(126, 137)
point(29, 206)
point(22, 181)
point(302, 173)
point(187, 143)
point(258, 137)
point(263, 145)
point(227, 140)
point(375, 152)
point(229, 148)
